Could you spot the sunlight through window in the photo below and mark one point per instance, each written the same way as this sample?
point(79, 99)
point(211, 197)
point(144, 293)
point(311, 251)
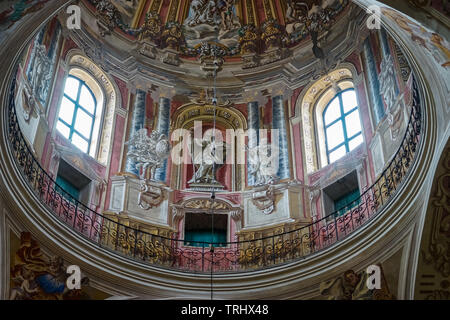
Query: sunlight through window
point(342, 125)
point(77, 113)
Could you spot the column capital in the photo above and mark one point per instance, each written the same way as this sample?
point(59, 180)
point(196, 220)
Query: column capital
point(163, 92)
point(280, 90)
point(250, 96)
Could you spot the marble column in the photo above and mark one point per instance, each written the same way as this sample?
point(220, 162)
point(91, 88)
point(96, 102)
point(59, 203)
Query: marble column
point(163, 126)
point(373, 83)
point(137, 123)
point(279, 123)
point(253, 133)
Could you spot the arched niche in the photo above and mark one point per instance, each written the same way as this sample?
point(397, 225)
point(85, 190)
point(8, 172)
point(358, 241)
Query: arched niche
point(232, 124)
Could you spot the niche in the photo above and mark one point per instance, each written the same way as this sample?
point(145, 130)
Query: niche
point(342, 195)
point(74, 182)
point(197, 227)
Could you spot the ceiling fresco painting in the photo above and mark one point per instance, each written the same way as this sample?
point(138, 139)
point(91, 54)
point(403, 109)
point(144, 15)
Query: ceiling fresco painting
point(234, 26)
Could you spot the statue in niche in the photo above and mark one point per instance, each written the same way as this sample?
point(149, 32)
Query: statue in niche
point(212, 20)
point(263, 163)
point(207, 162)
point(387, 81)
point(148, 152)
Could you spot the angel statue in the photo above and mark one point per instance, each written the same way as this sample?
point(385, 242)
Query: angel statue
point(148, 152)
point(263, 163)
point(207, 162)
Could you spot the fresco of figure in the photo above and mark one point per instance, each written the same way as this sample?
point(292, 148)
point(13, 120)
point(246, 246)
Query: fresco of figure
point(387, 81)
point(226, 13)
point(212, 20)
point(203, 11)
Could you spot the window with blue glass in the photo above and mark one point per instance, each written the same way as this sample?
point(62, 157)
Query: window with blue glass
point(67, 188)
point(342, 125)
point(347, 202)
point(77, 113)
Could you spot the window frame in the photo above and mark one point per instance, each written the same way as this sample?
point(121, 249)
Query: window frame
point(77, 106)
point(341, 118)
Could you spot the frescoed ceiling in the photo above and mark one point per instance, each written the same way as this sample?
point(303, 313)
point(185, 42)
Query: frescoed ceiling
point(183, 43)
point(237, 26)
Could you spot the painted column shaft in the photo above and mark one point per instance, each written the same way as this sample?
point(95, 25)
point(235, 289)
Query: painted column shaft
point(253, 134)
point(279, 123)
point(374, 85)
point(137, 123)
point(163, 126)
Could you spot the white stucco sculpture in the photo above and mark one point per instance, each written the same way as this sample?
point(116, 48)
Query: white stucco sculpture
point(148, 152)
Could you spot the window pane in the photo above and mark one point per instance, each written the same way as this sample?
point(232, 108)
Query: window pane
point(63, 129)
point(86, 100)
point(335, 135)
point(353, 124)
point(349, 100)
point(79, 142)
point(83, 123)
point(337, 154)
point(333, 111)
point(66, 110)
point(355, 142)
point(71, 88)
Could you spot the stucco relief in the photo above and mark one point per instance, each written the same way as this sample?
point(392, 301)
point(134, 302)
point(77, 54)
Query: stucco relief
point(353, 286)
point(37, 275)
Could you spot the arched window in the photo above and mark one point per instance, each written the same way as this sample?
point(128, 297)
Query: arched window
point(342, 125)
point(78, 113)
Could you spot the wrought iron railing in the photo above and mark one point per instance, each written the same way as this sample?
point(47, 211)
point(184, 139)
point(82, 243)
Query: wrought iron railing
point(237, 256)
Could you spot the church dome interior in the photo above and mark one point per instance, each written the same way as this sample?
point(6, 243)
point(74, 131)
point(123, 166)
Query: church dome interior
point(246, 149)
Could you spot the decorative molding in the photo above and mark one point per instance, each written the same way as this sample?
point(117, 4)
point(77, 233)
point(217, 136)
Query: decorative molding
point(206, 205)
point(264, 199)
